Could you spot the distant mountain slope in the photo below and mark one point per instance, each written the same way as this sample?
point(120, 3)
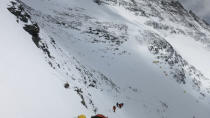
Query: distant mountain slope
point(152, 55)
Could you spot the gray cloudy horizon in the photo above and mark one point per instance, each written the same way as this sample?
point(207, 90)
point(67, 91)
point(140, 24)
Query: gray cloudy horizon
point(200, 7)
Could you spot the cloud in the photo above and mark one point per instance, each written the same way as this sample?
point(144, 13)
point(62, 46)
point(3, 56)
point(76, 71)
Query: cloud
point(200, 7)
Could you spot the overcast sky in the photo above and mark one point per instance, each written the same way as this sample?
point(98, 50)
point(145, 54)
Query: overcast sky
point(200, 7)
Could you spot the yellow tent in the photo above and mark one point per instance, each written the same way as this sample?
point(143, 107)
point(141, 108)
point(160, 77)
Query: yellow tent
point(82, 116)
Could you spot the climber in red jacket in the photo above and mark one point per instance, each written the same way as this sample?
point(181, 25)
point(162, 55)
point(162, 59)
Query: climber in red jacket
point(114, 108)
point(121, 105)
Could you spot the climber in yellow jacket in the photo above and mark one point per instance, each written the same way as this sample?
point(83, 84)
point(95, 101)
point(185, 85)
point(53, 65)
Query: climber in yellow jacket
point(82, 116)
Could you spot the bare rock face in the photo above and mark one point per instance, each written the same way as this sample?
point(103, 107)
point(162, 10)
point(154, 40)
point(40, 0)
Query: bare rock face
point(32, 28)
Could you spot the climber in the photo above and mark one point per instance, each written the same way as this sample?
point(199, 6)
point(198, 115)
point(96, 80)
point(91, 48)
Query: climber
point(99, 116)
point(117, 104)
point(121, 105)
point(82, 116)
point(114, 108)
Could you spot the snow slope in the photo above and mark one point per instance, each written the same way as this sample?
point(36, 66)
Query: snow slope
point(29, 87)
point(140, 52)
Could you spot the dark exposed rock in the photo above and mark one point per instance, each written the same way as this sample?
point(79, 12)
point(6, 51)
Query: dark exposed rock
point(32, 28)
point(165, 52)
point(44, 48)
point(105, 36)
point(98, 2)
point(19, 12)
point(34, 31)
point(79, 92)
point(66, 85)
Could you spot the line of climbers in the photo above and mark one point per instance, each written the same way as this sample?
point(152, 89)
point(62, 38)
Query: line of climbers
point(118, 105)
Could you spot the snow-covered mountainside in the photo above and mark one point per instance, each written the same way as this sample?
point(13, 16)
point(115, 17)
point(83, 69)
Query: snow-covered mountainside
point(62, 58)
